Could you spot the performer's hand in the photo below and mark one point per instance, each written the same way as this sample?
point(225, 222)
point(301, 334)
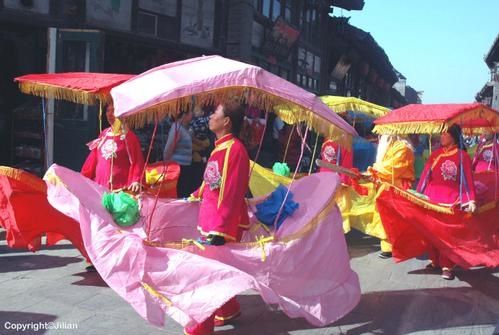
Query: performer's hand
point(192, 198)
point(471, 207)
point(134, 187)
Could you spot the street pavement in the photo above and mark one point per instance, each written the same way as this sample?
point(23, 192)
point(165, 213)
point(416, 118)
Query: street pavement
point(51, 287)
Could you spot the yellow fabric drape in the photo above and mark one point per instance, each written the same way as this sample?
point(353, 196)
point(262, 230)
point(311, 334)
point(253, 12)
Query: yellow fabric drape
point(264, 181)
point(397, 164)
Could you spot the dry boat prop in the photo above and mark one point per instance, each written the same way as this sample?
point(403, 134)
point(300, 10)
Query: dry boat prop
point(413, 223)
point(158, 266)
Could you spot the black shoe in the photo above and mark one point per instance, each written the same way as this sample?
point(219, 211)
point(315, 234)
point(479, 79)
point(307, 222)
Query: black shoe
point(385, 254)
point(91, 268)
point(447, 274)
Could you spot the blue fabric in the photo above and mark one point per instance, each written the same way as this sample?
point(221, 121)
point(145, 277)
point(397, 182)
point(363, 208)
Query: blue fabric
point(266, 212)
point(364, 153)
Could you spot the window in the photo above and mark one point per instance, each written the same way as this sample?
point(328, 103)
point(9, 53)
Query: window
point(308, 69)
point(147, 23)
point(309, 22)
point(266, 7)
point(276, 9)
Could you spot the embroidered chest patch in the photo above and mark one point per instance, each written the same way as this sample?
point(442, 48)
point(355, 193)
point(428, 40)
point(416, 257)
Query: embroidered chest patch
point(330, 154)
point(212, 175)
point(109, 149)
point(487, 155)
point(449, 170)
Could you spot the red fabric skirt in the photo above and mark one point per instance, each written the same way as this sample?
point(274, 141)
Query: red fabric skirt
point(413, 227)
point(26, 214)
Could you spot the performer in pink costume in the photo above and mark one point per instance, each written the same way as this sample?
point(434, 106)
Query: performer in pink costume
point(115, 160)
point(447, 179)
point(223, 212)
point(487, 155)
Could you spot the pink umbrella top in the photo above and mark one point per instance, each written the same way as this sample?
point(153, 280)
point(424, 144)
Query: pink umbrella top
point(167, 89)
point(436, 118)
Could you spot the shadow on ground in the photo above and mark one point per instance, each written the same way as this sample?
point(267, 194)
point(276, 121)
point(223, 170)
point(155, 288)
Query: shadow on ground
point(89, 279)
point(12, 263)
point(5, 249)
point(390, 312)
point(360, 244)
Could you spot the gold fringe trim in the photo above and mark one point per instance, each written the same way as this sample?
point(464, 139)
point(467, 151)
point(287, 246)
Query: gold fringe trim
point(344, 104)
point(414, 199)
point(156, 294)
point(410, 128)
point(292, 113)
point(438, 127)
point(24, 177)
point(480, 130)
point(64, 93)
point(427, 128)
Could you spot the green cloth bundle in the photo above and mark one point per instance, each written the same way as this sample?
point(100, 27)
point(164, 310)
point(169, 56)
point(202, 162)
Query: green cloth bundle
point(281, 169)
point(123, 207)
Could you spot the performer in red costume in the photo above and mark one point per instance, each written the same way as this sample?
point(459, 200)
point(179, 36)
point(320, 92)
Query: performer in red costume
point(223, 212)
point(115, 160)
point(447, 180)
point(336, 154)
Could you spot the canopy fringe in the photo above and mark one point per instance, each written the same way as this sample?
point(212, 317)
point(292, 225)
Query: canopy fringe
point(290, 112)
point(64, 93)
point(26, 178)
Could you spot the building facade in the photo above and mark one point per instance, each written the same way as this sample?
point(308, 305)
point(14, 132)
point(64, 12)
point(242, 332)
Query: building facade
point(298, 40)
point(126, 36)
point(489, 94)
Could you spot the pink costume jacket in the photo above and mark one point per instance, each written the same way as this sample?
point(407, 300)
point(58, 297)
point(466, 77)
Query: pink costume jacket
point(223, 208)
point(333, 153)
point(486, 157)
point(120, 153)
point(440, 179)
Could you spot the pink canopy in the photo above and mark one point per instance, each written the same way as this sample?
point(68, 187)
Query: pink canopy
point(303, 267)
point(166, 89)
point(436, 118)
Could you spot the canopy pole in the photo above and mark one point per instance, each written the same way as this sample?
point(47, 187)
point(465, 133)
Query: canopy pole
point(302, 150)
point(45, 146)
point(313, 154)
point(429, 144)
point(151, 143)
point(287, 145)
point(261, 142)
point(100, 116)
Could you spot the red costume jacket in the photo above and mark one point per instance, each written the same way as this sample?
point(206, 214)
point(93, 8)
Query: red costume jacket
point(223, 210)
point(120, 153)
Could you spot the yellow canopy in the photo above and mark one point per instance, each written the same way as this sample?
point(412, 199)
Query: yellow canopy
point(343, 104)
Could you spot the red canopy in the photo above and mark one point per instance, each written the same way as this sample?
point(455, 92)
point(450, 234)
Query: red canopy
point(436, 118)
point(80, 87)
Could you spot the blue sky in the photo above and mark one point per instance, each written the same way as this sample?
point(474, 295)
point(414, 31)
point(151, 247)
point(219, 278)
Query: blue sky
point(439, 45)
